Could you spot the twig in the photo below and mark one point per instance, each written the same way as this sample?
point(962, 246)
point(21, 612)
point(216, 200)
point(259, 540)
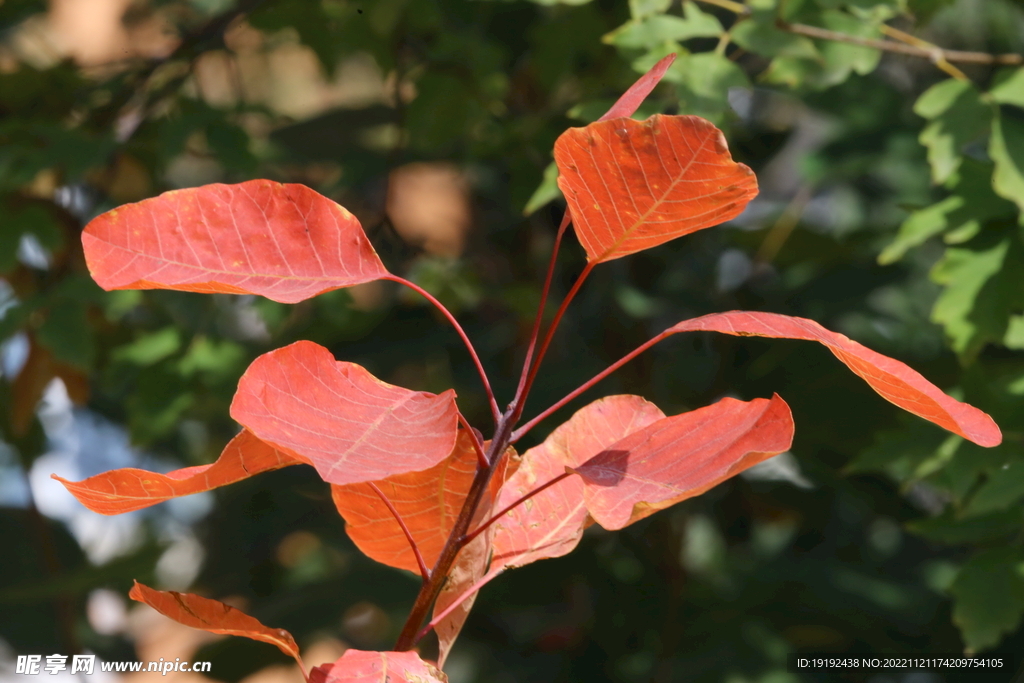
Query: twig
point(783, 227)
point(934, 53)
point(734, 7)
point(938, 56)
point(408, 534)
point(462, 334)
point(477, 446)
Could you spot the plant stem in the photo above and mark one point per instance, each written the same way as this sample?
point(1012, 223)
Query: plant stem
point(566, 219)
point(477, 446)
point(462, 333)
point(457, 538)
point(934, 53)
point(519, 433)
point(408, 535)
point(484, 580)
point(520, 404)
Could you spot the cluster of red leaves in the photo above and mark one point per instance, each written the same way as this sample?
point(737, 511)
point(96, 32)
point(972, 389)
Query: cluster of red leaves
point(401, 468)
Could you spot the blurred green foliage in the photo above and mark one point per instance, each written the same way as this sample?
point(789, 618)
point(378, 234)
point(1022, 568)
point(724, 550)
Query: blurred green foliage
point(890, 210)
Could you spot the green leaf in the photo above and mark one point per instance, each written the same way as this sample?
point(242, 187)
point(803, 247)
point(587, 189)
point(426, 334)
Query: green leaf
point(29, 220)
point(546, 192)
point(641, 9)
point(710, 76)
point(989, 596)
point(67, 333)
point(1006, 147)
point(961, 215)
point(655, 30)
point(150, 348)
point(957, 116)
point(842, 58)
point(1014, 338)
point(981, 290)
point(758, 33)
point(1009, 88)
point(1003, 488)
point(947, 528)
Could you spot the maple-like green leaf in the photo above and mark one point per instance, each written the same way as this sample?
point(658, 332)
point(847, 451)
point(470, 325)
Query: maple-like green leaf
point(981, 289)
point(1006, 147)
point(960, 216)
point(957, 116)
point(989, 596)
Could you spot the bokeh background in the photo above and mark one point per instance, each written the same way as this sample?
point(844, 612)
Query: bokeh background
point(885, 215)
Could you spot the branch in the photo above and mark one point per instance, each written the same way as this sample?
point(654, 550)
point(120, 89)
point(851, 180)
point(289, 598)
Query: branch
point(458, 601)
point(475, 438)
point(462, 333)
point(398, 518)
point(566, 219)
point(518, 434)
point(520, 404)
point(934, 53)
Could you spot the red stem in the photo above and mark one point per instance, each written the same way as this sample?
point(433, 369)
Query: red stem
point(566, 219)
point(469, 538)
point(458, 601)
point(517, 434)
point(462, 333)
point(547, 338)
point(477, 446)
point(398, 518)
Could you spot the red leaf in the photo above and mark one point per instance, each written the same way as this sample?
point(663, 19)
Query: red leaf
point(896, 382)
point(551, 523)
point(336, 416)
point(127, 489)
point(285, 242)
point(632, 185)
point(213, 616)
point(428, 501)
point(681, 457)
point(638, 92)
point(358, 666)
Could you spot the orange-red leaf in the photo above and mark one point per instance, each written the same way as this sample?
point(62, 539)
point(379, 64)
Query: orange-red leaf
point(682, 456)
point(285, 242)
point(551, 523)
point(428, 501)
point(896, 382)
point(349, 425)
point(632, 185)
point(127, 489)
point(359, 666)
point(213, 616)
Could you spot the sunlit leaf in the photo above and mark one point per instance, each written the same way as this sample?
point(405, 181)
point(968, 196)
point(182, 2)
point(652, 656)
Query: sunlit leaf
point(213, 616)
point(895, 381)
point(358, 666)
point(682, 456)
point(127, 489)
point(632, 185)
point(551, 523)
point(428, 501)
point(336, 416)
point(285, 242)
